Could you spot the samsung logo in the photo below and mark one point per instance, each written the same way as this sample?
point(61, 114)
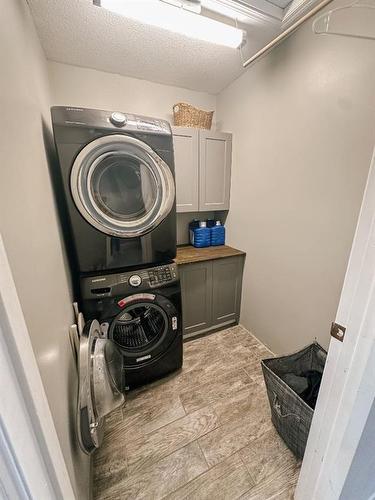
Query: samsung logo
point(74, 109)
point(98, 279)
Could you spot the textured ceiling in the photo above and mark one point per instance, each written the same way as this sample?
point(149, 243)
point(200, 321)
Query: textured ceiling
point(79, 33)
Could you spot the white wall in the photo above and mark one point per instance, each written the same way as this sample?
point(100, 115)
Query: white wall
point(303, 126)
point(75, 86)
point(29, 225)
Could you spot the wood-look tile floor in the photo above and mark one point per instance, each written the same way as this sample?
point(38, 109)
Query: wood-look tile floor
point(203, 433)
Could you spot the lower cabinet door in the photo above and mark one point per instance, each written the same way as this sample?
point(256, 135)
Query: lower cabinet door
point(196, 285)
point(227, 285)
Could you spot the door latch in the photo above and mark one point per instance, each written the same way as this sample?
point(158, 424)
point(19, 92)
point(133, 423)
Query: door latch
point(338, 331)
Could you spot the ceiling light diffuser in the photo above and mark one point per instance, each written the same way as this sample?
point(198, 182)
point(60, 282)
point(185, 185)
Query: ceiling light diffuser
point(177, 20)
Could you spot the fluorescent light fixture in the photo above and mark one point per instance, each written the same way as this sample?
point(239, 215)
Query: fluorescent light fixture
point(225, 8)
point(176, 19)
point(191, 5)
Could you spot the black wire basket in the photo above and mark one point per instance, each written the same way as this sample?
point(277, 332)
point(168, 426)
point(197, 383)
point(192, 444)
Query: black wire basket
point(291, 414)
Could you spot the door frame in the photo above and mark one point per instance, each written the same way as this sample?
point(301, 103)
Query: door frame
point(348, 385)
point(31, 460)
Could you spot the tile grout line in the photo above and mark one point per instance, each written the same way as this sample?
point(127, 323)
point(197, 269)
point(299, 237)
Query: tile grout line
point(240, 449)
point(247, 470)
point(171, 422)
point(267, 477)
point(218, 463)
point(140, 473)
point(204, 456)
point(184, 446)
point(209, 468)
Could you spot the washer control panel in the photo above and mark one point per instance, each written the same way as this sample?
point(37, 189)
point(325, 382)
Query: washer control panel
point(162, 274)
point(109, 285)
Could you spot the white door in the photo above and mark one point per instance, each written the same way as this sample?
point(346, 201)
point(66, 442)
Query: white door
point(348, 385)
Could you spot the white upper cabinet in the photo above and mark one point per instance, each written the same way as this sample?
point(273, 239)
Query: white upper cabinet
point(203, 169)
point(186, 158)
point(215, 157)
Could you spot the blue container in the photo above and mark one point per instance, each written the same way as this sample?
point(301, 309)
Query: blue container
point(201, 236)
point(217, 234)
point(192, 225)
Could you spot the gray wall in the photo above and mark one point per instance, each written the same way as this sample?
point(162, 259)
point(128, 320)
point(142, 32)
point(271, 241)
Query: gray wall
point(29, 225)
point(303, 126)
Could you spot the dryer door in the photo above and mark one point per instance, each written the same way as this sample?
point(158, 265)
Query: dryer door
point(101, 385)
point(121, 186)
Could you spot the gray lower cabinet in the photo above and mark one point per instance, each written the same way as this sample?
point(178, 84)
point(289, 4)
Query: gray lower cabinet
point(226, 289)
point(211, 294)
point(196, 286)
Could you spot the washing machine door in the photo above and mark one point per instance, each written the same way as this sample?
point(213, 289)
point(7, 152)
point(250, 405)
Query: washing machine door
point(101, 385)
point(144, 327)
point(121, 186)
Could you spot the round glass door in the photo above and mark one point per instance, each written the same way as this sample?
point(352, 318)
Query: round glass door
point(121, 186)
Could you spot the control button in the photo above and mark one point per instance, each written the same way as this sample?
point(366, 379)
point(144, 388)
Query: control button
point(135, 280)
point(118, 119)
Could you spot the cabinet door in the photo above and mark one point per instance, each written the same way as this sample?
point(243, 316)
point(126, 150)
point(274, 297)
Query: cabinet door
point(186, 158)
point(215, 152)
point(227, 285)
point(196, 285)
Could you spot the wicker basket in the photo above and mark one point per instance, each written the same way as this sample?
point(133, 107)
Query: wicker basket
point(290, 415)
point(186, 115)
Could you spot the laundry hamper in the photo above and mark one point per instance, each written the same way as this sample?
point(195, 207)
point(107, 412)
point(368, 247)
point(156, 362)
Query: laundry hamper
point(186, 115)
point(291, 415)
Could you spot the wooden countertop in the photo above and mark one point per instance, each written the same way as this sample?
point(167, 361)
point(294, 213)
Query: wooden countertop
point(188, 254)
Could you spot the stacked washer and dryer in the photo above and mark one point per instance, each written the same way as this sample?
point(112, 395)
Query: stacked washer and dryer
point(116, 178)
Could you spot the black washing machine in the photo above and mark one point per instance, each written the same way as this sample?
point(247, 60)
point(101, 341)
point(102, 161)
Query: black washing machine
point(116, 181)
point(140, 311)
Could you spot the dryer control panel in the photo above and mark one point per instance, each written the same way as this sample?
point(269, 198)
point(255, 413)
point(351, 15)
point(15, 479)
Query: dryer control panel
point(111, 120)
point(110, 285)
